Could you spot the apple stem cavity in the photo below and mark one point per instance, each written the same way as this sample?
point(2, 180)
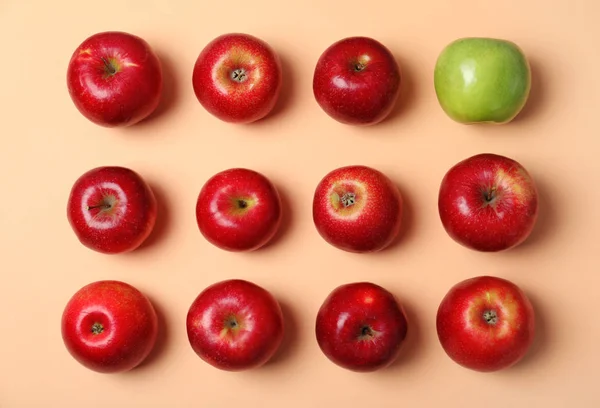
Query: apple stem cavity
point(239, 75)
point(366, 333)
point(490, 316)
point(490, 195)
point(97, 328)
point(110, 68)
point(242, 204)
point(348, 199)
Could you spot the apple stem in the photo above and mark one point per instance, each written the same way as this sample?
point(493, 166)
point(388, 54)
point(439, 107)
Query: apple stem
point(109, 67)
point(239, 75)
point(97, 328)
point(348, 199)
point(490, 195)
point(359, 67)
point(242, 204)
point(104, 206)
point(490, 316)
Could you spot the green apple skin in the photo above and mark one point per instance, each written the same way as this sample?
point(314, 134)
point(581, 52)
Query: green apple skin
point(482, 80)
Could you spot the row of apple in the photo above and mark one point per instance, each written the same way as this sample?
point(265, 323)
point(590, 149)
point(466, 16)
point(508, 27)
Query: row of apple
point(116, 79)
point(483, 323)
point(486, 202)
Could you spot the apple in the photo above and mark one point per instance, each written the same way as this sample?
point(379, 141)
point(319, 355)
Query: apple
point(238, 210)
point(357, 81)
point(111, 209)
point(235, 325)
point(109, 326)
point(485, 323)
point(357, 209)
point(482, 80)
point(488, 203)
point(115, 79)
point(361, 327)
point(237, 78)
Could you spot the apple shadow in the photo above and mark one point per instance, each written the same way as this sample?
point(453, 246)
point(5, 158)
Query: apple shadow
point(163, 219)
point(290, 336)
point(413, 343)
point(545, 225)
point(162, 337)
point(536, 98)
point(170, 92)
point(286, 220)
point(288, 79)
point(407, 223)
point(540, 344)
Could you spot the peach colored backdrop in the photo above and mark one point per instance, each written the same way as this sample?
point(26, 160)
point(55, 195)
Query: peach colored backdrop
point(47, 144)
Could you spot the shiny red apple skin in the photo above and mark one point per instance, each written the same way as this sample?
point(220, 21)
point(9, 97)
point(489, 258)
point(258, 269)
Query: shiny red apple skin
point(357, 81)
point(235, 325)
point(111, 209)
point(238, 210)
point(109, 326)
point(118, 99)
point(357, 209)
point(488, 203)
point(361, 327)
point(465, 333)
point(226, 94)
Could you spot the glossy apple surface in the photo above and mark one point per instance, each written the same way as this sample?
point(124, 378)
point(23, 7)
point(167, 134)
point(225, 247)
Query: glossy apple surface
point(111, 209)
point(488, 202)
point(109, 326)
point(485, 323)
point(235, 325)
point(237, 78)
point(238, 210)
point(361, 327)
point(115, 79)
point(357, 81)
point(357, 209)
point(482, 80)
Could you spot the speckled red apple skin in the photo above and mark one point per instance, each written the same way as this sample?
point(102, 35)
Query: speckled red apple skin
point(469, 340)
point(492, 228)
point(357, 98)
point(130, 226)
point(125, 98)
point(231, 101)
point(342, 316)
point(257, 312)
point(377, 223)
point(238, 233)
point(129, 321)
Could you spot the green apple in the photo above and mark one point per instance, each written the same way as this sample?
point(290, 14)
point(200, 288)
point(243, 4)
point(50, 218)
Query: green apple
point(482, 80)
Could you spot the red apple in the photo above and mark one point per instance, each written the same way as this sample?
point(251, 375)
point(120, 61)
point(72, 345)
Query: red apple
point(111, 209)
point(488, 203)
point(238, 210)
point(361, 327)
point(109, 326)
point(357, 81)
point(115, 79)
point(237, 78)
point(357, 209)
point(235, 325)
point(485, 323)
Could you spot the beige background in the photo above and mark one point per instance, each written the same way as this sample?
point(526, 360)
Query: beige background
point(47, 144)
